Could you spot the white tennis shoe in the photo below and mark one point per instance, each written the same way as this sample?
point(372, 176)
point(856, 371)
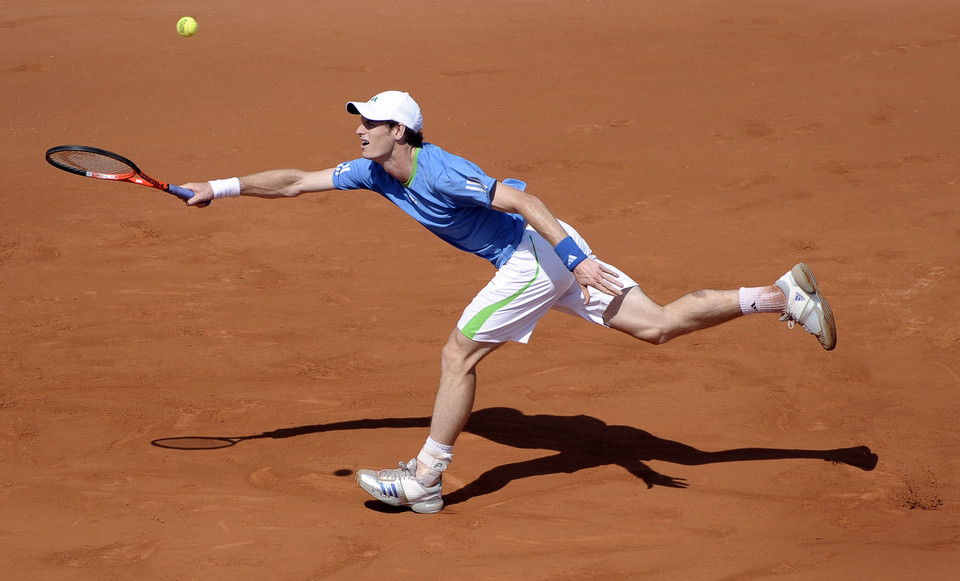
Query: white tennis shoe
point(805, 305)
point(401, 487)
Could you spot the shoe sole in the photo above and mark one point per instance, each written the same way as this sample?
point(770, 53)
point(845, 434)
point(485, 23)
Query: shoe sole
point(427, 507)
point(806, 281)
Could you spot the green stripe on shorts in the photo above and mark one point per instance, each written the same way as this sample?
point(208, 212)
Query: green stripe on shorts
point(472, 327)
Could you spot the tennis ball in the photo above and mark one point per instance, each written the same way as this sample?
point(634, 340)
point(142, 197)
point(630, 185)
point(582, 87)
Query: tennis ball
point(186, 26)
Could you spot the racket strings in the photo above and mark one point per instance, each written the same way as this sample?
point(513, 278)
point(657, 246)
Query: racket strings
point(92, 162)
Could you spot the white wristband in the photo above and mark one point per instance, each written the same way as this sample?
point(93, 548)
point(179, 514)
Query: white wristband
point(229, 188)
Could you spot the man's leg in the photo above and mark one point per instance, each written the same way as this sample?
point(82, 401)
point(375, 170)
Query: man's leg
point(634, 313)
point(417, 484)
point(458, 383)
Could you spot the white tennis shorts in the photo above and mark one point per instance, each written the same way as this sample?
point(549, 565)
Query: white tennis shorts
point(531, 283)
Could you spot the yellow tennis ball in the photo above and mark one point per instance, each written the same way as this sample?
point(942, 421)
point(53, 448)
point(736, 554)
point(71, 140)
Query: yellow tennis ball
point(186, 26)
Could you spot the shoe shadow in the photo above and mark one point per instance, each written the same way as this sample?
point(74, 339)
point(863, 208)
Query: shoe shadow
point(580, 442)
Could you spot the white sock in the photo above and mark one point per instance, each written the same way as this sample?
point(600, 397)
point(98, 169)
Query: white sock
point(437, 447)
point(761, 299)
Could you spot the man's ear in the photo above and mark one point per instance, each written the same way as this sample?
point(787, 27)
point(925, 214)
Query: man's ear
point(399, 131)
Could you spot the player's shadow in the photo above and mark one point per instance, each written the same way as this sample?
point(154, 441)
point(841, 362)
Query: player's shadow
point(579, 442)
point(583, 442)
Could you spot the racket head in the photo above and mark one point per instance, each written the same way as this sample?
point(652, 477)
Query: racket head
point(94, 162)
point(91, 162)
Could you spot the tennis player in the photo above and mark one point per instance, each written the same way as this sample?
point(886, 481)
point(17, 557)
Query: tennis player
point(542, 264)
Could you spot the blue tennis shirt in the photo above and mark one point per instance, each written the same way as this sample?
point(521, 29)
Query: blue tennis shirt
point(448, 195)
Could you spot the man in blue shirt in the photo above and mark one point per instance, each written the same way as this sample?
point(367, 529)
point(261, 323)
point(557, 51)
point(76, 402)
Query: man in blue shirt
point(542, 264)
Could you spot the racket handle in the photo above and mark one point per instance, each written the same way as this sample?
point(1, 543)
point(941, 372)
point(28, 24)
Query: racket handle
point(182, 193)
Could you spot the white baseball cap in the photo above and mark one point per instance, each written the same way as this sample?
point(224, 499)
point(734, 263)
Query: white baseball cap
point(390, 106)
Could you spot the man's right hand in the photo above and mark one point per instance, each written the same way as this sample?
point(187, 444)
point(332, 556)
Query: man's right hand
point(203, 194)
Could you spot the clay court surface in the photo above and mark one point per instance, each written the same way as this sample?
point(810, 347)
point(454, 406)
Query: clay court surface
point(695, 144)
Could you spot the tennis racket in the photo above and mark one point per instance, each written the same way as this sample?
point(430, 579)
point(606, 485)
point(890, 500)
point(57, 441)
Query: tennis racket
point(106, 165)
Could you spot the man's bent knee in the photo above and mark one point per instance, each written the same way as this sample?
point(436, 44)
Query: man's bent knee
point(461, 354)
point(635, 314)
point(648, 335)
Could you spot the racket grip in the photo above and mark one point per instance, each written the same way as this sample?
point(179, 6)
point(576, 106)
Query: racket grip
point(182, 193)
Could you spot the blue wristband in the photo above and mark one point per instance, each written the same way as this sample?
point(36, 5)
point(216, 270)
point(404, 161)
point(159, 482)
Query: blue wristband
point(569, 253)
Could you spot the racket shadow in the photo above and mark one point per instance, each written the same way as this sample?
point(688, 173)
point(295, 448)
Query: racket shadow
point(200, 443)
point(579, 442)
